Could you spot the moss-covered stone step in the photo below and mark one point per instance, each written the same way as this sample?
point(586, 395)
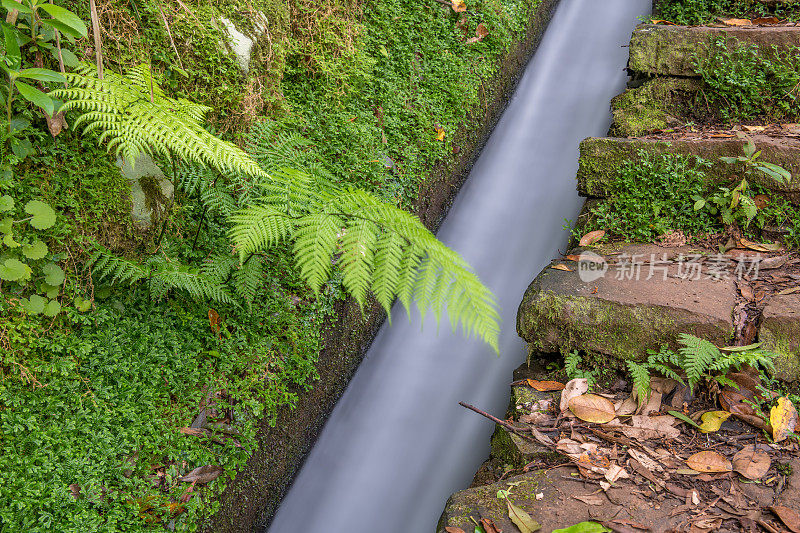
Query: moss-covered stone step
point(630, 309)
point(780, 332)
point(600, 159)
point(657, 104)
point(670, 50)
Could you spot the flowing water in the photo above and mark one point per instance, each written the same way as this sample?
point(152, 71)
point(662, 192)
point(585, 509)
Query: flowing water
point(398, 444)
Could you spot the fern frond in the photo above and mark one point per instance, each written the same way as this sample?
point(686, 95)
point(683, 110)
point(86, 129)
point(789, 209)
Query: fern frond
point(248, 278)
point(698, 355)
point(641, 380)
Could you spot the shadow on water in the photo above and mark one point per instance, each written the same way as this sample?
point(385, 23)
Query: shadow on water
point(398, 444)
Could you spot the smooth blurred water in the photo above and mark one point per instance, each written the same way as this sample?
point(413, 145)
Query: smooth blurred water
point(398, 444)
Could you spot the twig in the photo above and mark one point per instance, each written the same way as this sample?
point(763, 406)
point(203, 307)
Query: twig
point(503, 423)
point(169, 34)
point(98, 41)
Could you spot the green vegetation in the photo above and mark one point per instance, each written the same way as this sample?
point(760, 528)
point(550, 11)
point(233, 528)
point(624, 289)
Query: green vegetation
point(695, 12)
point(368, 95)
point(741, 82)
point(660, 193)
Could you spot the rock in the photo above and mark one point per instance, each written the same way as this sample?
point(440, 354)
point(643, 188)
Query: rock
point(242, 45)
point(780, 333)
point(600, 159)
point(671, 50)
point(150, 189)
point(656, 105)
point(625, 317)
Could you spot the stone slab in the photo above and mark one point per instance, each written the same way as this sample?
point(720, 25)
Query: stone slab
point(600, 158)
point(624, 318)
point(670, 50)
point(780, 333)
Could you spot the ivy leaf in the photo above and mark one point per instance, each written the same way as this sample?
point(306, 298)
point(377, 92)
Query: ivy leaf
point(53, 275)
point(53, 308)
point(64, 20)
point(35, 305)
point(6, 203)
point(43, 215)
point(36, 250)
point(36, 97)
point(14, 270)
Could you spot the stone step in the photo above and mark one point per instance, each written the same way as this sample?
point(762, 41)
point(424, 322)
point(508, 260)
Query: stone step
point(624, 318)
point(780, 332)
point(600, 158)
point(670, 50)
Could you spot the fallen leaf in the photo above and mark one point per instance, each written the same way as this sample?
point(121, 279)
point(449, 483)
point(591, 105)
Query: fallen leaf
point(627, 407)
point(708, 461)
point(562, 266)
point(651, 427)
point(592, 408)
point(439, 132)
point(789, 291)
point(521, 519)
point(705, 523)
point(761, 201)
point(488, 526)
point(572, 389)
point(458, 5)
point(75, 489)
point(783, 419)
point(754, 128)
point(545, 386)
point(584, 527)
point(592, 499)
point(737, 22)
point(451, 529)
point(56, 123)
point(537, 418)
point(592, 237)
point(214, 321)
point(789, 517)
point(760, 247)
point(616, 472)
point(753, 420)
point(541, 437)
point(751, 462)
point(768, 21)
point(480, 32)
point(712, 421)
point(645, 460)
point(202, 474)
point(659, 21)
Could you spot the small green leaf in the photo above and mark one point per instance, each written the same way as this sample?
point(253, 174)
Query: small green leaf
point(49, 290)
point(10, 5)
point(42, 74)
point(70, 59)
point(43, 215)
point(6, 203)
point(681, 416)
point(728, 160)
point(53, 308)
point(14, 270)
point(9, 241)
point(12, 46)
point(82, 305)
point(584, 527)
point(36, 97)
point(741, 348)
point(53, 275)
point(33, 305)
point(35, 250)
point(699, 204)
point(64, 20)
point(6, 225)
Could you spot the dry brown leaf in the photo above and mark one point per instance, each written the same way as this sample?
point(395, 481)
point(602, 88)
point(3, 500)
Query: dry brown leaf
point(645, 460)
point(737, 22)
point(627, 406)
point(488, 526)
point(592, 237)
point(572, 389)
point(214, 321)
point(202, 474)
point(480, 32)
point(536, 418)
point(659, 21)
point(751, 462)
point(541, 437)
point(592, 499)
point(661, 426)
point(56, 123)
point(451, 529)
point(458, 5)
point(592, 408)
point(789, 517)
point(766, 21)
point(545, 386)
point(783, 419)
point(562, 266)
point(616, 472)
point(708, 461)
point(754, 128)
point(760, 247)
point(789, 291)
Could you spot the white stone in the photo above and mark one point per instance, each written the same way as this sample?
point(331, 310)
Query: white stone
point(241, 44)
point(143, 167)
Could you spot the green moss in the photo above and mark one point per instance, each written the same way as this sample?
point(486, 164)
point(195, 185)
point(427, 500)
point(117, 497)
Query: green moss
point(654, 106)
point(784, 340)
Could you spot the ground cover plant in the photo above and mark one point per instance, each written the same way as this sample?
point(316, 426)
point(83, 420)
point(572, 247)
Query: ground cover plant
point(96, 401)
point(696, 12)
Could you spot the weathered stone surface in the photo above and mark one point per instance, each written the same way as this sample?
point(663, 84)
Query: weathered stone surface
point(600, 158)
point(780, 332)
point(625, 317)
point(150, 189)
point(658, 104)
point(671, 50)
